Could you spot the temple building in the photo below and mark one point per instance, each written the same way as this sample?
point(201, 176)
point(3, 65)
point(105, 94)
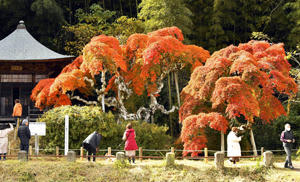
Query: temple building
point(23, 63)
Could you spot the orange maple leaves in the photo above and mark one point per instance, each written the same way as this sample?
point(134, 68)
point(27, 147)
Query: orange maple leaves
point(143, 59)
point(235, 81)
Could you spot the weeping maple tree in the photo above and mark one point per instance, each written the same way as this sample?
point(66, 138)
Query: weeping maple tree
point(140, 65)
point(235, 82)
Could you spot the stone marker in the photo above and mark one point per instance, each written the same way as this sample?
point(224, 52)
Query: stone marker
point(268, 158)
point(120, 156)
point(170, 159)
point(71, 156)
point(219, 160)
point(22, 156)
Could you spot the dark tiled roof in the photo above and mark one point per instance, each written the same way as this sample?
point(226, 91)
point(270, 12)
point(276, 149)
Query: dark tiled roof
point(21, 46)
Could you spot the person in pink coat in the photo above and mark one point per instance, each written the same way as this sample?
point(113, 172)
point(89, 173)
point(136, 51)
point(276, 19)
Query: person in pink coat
point(130, 143)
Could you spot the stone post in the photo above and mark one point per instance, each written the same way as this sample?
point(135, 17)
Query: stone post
point(170, 159)
point(268, 158)
point(120, 156)
point(219, 160)
point(71, 156)
point(22, 156)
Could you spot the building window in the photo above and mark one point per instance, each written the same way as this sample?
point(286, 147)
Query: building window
point(40, 77)
point(24, 78)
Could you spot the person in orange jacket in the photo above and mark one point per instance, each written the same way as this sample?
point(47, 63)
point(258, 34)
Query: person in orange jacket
point(17, 111)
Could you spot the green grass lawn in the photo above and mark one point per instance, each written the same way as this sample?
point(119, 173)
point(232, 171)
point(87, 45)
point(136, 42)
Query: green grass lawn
point(147, 170)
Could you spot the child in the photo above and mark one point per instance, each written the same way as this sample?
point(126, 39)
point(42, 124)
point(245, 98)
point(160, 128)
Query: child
point(130, 144)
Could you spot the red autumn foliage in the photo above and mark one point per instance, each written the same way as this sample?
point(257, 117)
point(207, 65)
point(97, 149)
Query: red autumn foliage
point(235, 81)
point(42, 97)
point(142, 61)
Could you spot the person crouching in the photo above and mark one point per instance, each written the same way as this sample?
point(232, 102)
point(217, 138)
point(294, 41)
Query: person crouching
point(91, 143)
point(130, 143)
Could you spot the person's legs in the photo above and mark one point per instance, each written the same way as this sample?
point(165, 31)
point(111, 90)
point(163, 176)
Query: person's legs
point(129, 159)
point(22, 146)
point(4, 156)
point(288, 160)
point(133, 159)
point(0, 156)
point(94, 156)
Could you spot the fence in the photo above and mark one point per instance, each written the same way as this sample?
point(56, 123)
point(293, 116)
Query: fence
point(109, 153)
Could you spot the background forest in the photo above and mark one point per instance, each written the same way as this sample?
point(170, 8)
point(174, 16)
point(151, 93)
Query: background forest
point(67, 25)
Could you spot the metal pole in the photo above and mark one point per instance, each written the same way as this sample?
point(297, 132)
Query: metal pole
point(66, 134)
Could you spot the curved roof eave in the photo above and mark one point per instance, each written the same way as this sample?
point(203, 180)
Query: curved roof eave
point(20, 46)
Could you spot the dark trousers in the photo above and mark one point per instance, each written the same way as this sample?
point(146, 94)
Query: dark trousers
point(288, 161)
point(24, 147)
point(93, 154)
point(4, 156)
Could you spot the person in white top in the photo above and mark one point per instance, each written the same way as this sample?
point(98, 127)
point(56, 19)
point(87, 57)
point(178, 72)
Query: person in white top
point(233, 145)
point(4, 140)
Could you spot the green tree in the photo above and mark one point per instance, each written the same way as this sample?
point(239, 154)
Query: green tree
point(293, 8)
point(96, 21)
point(123, 27)
point(48, 20)
point(165, 13)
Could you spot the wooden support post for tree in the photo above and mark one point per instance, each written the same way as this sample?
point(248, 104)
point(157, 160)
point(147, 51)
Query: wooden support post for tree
point(81, 153)
point(253, 143)
point(17, 127)
point(170, 104)
point(177, 88)
point(57, 151)
point(205, 155)
point(261, 152)
point(141, 153)
point(222, 142)
point(109, 151)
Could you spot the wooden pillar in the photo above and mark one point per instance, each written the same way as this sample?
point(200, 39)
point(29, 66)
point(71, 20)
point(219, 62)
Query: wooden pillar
point(222, 142)
point(205, 155)
point(141, 153)
point(109, 151)
point(81, 153)
point(57, 151)
point(172, 150)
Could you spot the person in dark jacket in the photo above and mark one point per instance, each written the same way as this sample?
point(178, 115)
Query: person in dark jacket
point(288, 139)
point(24, 135)
point(91, 143)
